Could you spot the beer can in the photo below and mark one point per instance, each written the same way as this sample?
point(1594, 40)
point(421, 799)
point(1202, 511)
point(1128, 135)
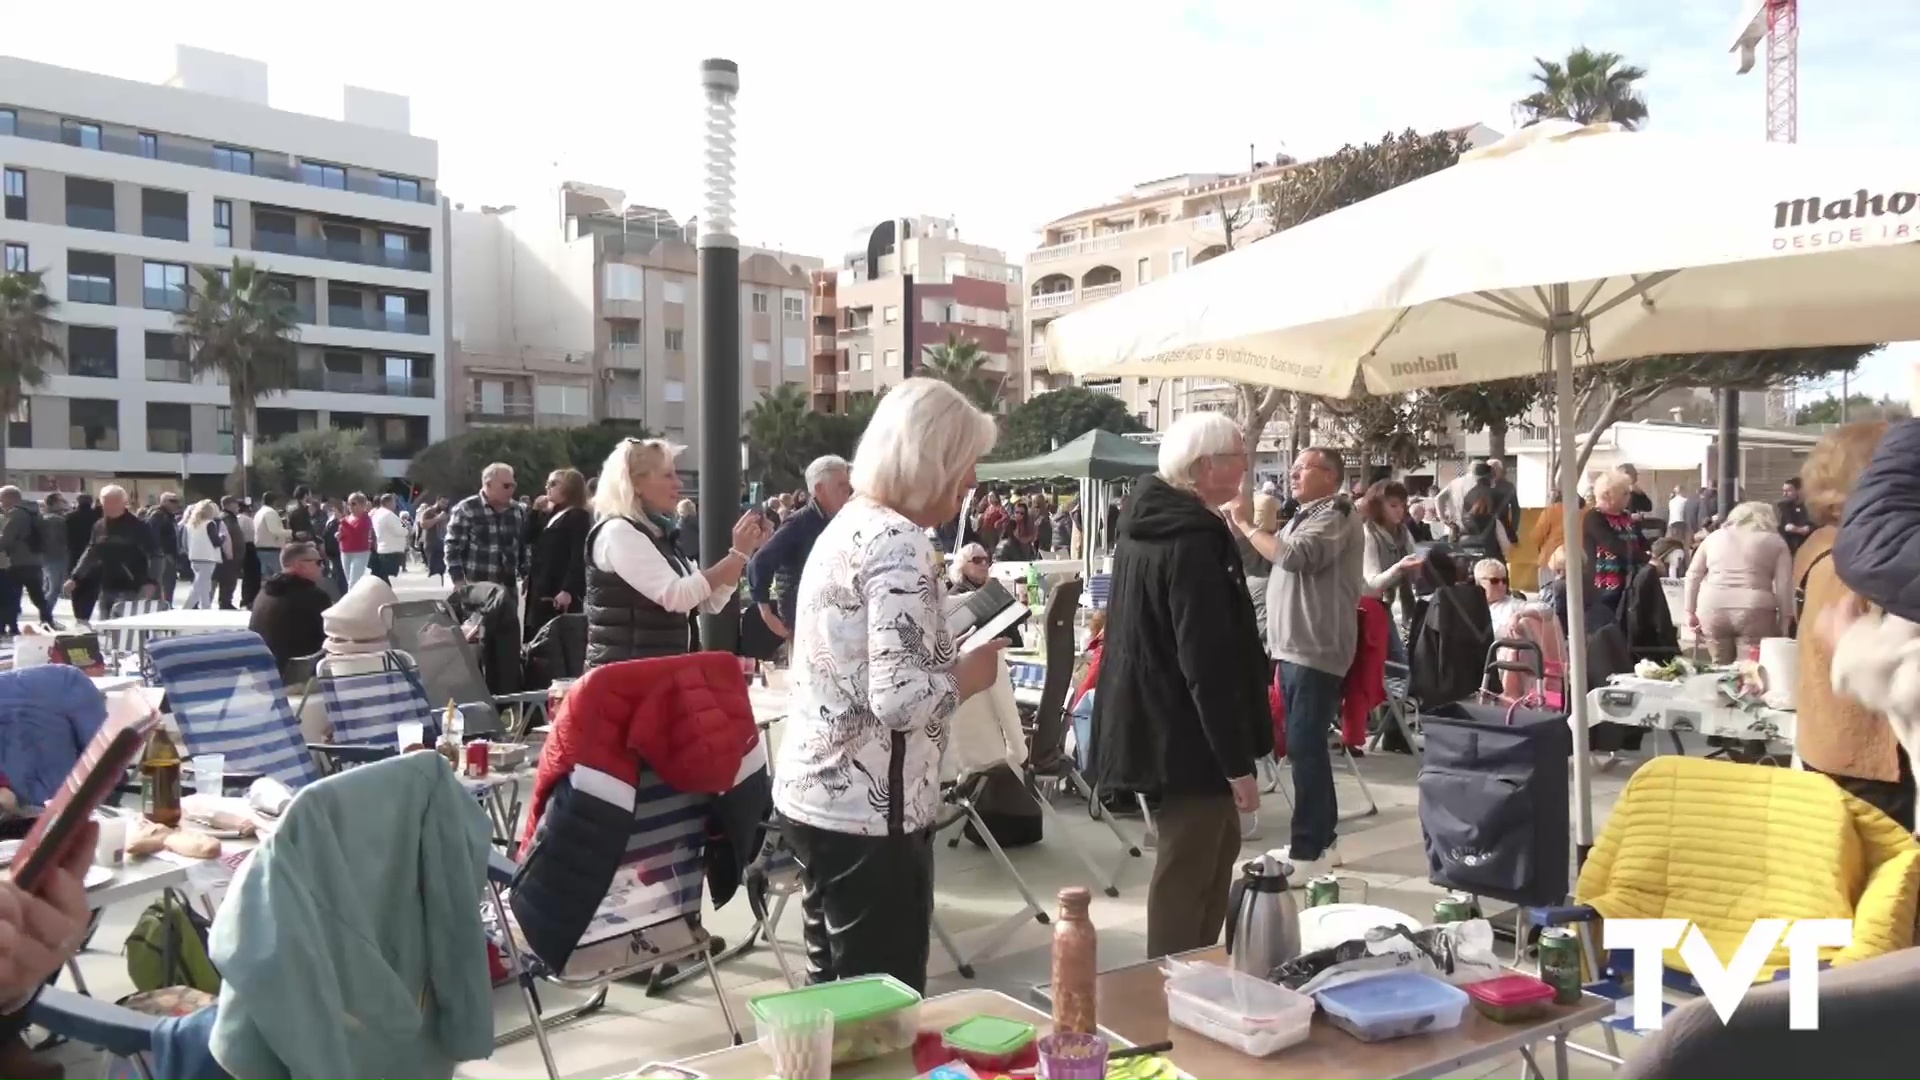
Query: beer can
point(1323, 890)
point(1560, 964)
point(478, 758)
point(1452, 908)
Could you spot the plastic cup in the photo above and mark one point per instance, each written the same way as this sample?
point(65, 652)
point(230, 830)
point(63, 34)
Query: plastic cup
point(411, 733)
point(1072, 1056)
point(111, 849)
point(799, 1042)
point(210, 773)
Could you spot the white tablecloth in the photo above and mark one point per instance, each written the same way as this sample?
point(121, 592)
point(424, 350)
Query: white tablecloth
point(197, 621)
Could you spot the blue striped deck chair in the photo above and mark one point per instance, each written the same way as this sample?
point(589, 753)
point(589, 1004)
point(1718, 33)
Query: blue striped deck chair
point(367, 708)
point(123, 643)
point(225, 693)
point(1099, 587)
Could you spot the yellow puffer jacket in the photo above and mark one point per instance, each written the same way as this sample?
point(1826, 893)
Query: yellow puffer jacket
point(1722, 844)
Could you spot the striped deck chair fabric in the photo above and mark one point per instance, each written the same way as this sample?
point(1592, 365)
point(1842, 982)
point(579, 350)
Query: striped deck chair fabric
point(124, 642)
point(369, 708)
point(225, 694)
point(1099, 587)
point(664, 869)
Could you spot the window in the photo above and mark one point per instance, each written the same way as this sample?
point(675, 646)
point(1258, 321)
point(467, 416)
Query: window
point(232, 159)
point(866, 361)
point(762, 352)
point(561, 400)
point(623, 332)
point(1176, 261)
point(673, 390)
point(759, 302)
point(222, 223)
point(624, 282)
point(149, 145)
point(20, 425)
point(320, 174)
point(399, 187)
point(93, 352)
point(890, 314)
point(396, 249)
point(794, 308)
point(1143, 271)
point(223, 429)
point(89, 204)
point(166, 286)
point(166, 358)
point(80, 133)
point(794, 352)
point(16, 259)
point(89, 278)
point(15, 190)
point(9, 122)
point(676, 340)
point(93, 424)
point(893, 357)
point(163, 214)
point(169, 427)
point(673, 292)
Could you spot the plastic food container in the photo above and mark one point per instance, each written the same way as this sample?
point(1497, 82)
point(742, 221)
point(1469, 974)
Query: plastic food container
point(1392, 1005)
point(872, 1015)
point(1511, 999)
point(1251, 1015)
point(990, 1044)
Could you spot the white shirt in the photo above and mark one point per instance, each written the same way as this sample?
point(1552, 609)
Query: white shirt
point(268, 532)
point(620, 547)
point(389, 532)
point(1677, 508)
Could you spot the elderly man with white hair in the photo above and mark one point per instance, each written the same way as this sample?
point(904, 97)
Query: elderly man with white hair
point(487, 533)
point(1181, 708)
point(119, 556)
point(783, 558)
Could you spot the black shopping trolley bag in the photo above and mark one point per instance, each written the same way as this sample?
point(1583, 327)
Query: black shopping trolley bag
point(1493, 801)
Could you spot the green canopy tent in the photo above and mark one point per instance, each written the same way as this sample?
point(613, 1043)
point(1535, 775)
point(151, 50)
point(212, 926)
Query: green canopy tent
point(1095, 459)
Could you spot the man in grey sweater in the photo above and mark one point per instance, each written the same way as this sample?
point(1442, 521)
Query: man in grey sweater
point(1313, 624)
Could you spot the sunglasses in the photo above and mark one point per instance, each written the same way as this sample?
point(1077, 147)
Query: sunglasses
point(979, 560)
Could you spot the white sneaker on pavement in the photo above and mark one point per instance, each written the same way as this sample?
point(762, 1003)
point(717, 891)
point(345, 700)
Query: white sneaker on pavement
point(1267, 772)
point(1249, 827)
point(1307, 869)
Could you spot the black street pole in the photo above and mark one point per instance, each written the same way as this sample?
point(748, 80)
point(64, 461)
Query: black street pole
point(719, 347)
point(909, 347)
point(1729, 478)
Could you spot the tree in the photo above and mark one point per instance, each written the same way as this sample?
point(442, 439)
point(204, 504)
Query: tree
point(1060, 416)
point(959, 363)
point(587, 446)
point(1589, 88)
point(332, 461)
point(452, 467)
point(780, 439)
point(240, 324)
point(1827, 410)
point(1234, 218)
point(1396, 430)
point(1490, 407)
point(26, 342)
point(839, 433)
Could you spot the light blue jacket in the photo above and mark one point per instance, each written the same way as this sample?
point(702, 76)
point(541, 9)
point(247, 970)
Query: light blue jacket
point(350, 944)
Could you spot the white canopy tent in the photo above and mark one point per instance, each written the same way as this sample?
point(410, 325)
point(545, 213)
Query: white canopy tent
point(1559, 245)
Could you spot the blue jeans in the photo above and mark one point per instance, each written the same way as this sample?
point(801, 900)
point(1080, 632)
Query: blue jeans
point(269, 561)
point(357, 563)
point(1313, 708)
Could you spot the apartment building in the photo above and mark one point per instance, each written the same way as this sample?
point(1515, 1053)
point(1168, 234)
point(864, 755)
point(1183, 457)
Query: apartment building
point(826, 394)
point(580, 307)
point(1158, 228)
point(119, 190)
point(960, 290)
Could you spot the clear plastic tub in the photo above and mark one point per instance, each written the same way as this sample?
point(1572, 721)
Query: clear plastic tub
point(872, 1015)
point(1511, 999)
point(1251, 1015)
point(1393, 1005)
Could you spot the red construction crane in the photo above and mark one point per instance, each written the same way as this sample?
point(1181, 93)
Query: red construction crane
point(1777, 24)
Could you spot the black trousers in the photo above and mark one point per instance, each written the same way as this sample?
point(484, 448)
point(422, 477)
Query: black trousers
point(1896, 800)
point(28, 580)
point(875, 892)
point(224, 579)
point(250, 576)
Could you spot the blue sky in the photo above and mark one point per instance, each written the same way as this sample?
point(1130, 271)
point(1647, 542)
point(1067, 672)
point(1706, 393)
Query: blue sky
point(1001, 113)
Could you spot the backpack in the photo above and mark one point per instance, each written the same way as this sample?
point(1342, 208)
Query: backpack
point(147, 948)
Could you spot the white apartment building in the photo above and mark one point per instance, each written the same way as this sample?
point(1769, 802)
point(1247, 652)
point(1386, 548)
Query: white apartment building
point(118, 190)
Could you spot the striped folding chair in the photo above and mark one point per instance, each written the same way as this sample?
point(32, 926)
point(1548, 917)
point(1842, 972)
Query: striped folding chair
point(120, 644)
point(225, 695)
point(1099, 587)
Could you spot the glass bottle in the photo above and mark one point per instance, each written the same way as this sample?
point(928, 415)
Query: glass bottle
point(449, 745)
point(1076, 963)
point(160, 780)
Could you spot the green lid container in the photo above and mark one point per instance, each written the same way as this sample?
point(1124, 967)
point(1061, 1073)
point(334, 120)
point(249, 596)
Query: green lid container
point(851, 1001)
point(991, 1036)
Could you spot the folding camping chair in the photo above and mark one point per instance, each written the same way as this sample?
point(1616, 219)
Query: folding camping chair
point(450, 670)
point(119, 645)
point(961, 810)
point(225, 694)
point(650, 918)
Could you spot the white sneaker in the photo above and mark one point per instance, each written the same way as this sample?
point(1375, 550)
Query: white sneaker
point(1267, 773)
point(1249, 827)
point(1304, 870)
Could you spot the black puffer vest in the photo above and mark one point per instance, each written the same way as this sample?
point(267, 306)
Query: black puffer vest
point(621, 623)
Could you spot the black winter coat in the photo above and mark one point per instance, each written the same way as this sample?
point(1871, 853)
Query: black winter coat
point(1878, 551)
point(1182, 702)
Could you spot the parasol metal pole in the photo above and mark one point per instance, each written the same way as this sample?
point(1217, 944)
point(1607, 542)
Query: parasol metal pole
point(1560, 326)
point(719, 363)
point(1729, 478)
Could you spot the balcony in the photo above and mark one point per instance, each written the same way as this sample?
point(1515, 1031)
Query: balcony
point(825, 384)
point(1110, 242)
point(1043, 301)
point(265, 163)
point(160, 369)
point(385, 321)
point(1100, 292)
point(161, 227)
point(357, 382)
point(1037, 349)
point(631, 356)
point(499, 412)
point(97, 218)
point(843, 381)
point(857, 328)
point(319, 247)
point(165, 299)
point(626, 407)
point(823, 344)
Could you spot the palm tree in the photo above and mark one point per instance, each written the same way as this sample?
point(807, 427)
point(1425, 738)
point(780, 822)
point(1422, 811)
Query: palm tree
point(26, 343)
point(960, 364)
point(1590, 88)
point(779, 438)
point(240, 325)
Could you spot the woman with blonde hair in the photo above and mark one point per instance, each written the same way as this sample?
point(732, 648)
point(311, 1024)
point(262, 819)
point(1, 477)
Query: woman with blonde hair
point(557, 579)
point(207, 547)
point(875, 682)
point(1740, 584)
point(1610, 542)
point(642, 594)
point(1837, 734)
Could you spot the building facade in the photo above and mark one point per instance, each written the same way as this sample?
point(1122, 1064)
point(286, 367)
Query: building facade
point(585, 308)
point(119, 191)
point(960, 290)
